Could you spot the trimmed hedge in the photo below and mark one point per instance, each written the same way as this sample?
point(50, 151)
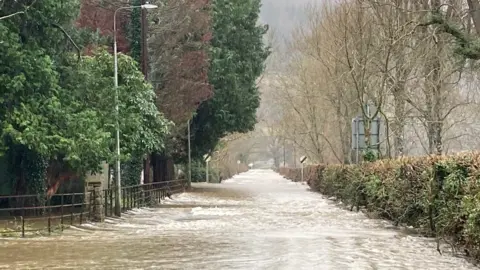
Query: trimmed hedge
point(438, 195)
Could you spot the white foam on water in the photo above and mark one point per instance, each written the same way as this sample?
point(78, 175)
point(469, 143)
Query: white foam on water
point(255, 220)
point(214, 211)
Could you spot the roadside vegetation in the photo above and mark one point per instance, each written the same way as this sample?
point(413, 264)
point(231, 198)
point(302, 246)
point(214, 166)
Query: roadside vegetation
point(412, 65)
point(437, 195)
point(57, 107)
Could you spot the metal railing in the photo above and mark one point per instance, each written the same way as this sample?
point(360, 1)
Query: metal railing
point(37, 213)
point(146, 195)
point(31, 215)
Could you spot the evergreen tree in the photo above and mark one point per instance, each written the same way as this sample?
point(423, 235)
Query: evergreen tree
point(237, 59)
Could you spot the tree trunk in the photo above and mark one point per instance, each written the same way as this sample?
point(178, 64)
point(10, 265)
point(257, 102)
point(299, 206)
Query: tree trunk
point(434, 88)
point(474, 8)
point(147, 166)
point(398, 124)
point(163, 168)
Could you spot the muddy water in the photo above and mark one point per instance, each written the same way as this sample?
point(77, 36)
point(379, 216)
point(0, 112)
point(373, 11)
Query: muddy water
point(257, 220)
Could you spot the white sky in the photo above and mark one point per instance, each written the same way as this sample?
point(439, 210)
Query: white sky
point(283, 15)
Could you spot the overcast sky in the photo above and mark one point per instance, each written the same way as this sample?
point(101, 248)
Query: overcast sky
point(283, 15)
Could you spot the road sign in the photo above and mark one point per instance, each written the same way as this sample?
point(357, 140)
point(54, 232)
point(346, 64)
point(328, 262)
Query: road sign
point(358, 133)
point(302, 161)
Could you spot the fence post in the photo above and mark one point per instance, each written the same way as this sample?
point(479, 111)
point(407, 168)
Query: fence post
point(123, 199)
point(90, 205)
point(127, 199)
point(135, 197)
point(61, 212)
point(132, 195)
point(95, 212)
point(111, 201)
point(49, 217)
point(105, 209)
point(72, 208)
point(23, 222)
point(131, 198)
point(82, 209)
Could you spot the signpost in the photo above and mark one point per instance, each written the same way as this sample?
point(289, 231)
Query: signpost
point(238, 166)
point(302, 160)
point(207, 159)
point(358, 135)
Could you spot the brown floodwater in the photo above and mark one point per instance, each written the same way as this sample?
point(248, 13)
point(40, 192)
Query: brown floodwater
point(257, 220)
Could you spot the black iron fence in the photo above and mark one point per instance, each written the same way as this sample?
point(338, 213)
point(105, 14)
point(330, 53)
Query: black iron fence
point(141, 195)
point(31, 215)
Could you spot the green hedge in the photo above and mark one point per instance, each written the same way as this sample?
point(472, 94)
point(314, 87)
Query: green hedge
point(437, 195)
point(199, 172)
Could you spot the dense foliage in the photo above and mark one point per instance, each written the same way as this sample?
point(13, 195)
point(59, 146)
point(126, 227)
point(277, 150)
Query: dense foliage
point(58, 106)
point(237, 59)
point(135, 31)
point(199, 172)
point(439, 195)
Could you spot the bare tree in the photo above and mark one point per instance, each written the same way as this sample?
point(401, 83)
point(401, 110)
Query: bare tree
point(179, 62)
point(381, 53)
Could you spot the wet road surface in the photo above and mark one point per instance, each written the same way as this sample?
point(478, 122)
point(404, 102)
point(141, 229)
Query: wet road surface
point(257, 220)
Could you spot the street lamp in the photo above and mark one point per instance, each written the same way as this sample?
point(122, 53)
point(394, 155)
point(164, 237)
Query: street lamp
point(189, 156)
point(118, 191)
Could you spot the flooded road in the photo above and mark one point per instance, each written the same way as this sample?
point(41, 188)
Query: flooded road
point(258, 220)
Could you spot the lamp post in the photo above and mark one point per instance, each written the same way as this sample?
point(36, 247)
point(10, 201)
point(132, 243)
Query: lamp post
point(118, 191)
point(189, 157)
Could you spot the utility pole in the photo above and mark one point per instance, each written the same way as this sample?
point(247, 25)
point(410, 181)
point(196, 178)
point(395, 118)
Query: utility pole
point(206, 171)
point(144, 29)
point(189, 158)
point(294, 157)
point(144, 65)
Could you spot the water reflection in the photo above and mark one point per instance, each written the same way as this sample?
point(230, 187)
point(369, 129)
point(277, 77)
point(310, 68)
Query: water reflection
point(255, 221)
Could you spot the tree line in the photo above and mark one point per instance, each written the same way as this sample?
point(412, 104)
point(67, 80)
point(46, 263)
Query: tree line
point(56, 79)
point(410, 63)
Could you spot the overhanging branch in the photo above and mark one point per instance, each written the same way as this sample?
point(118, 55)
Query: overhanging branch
point(467, 46)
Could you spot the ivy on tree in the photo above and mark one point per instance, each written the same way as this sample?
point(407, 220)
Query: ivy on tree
point(467, 45)
point(132, 168)
point(59, 107)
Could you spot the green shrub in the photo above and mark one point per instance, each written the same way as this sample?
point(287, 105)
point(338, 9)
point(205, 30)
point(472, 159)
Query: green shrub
point(199, 172)
point(440, 196)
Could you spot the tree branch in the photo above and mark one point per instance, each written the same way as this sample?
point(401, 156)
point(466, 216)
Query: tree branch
point(18, 12)
point(69, 38)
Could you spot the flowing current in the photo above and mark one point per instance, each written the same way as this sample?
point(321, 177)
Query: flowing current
point(257, 220)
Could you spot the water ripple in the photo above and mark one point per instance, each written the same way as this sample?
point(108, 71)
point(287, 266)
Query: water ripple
point(257, 220)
